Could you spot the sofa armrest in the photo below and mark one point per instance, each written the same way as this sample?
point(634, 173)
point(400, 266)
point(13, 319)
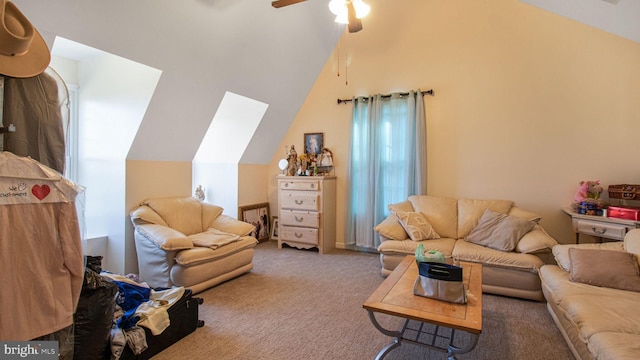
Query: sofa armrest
point(391, 228)
point(166, 238)
point(145, 215)
point(535, 241)
point(230, 225)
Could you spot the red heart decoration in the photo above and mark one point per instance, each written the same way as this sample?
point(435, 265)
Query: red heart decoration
point(40, 192)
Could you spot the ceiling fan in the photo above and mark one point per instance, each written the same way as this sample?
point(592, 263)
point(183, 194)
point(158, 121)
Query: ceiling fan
point(347, 11)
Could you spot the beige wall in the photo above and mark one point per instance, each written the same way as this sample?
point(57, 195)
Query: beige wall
point(527, 103)
point(252, 185)
point(150, 179)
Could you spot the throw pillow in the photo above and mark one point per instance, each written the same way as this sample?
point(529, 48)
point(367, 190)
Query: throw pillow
point(416, 226)
point(607, 268)
point(391, 228)
point(499, 231)
point(561, 251)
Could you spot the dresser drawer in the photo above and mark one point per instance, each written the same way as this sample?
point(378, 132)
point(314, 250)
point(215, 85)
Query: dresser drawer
point(300, 200)
point(313, 185)
point(299, 234)
point(609, 231)
point(300, 218)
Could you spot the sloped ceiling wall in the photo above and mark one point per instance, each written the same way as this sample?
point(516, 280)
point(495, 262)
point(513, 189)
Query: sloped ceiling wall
point(207, 47)
point(204, 48)
point(620, 17)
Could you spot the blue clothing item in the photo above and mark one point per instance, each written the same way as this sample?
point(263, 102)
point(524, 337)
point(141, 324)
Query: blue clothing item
point(129, 298)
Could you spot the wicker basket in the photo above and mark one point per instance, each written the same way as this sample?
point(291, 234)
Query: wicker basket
point(624, 192)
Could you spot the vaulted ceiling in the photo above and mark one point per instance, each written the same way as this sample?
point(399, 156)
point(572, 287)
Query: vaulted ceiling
point(206, 48)
point(620, 17)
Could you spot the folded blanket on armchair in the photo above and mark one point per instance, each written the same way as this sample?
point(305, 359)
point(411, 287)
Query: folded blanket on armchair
point(213, 238)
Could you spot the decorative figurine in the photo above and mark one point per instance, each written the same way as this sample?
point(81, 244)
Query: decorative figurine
point(292, 158)
point(199, 194)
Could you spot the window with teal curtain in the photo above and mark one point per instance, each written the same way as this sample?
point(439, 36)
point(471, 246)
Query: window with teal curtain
point(387, 161)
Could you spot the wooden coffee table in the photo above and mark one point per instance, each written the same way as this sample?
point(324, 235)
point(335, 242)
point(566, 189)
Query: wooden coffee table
point(395, 297)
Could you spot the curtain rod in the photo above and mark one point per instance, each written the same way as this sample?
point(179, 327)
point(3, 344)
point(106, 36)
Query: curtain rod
point(427, 92)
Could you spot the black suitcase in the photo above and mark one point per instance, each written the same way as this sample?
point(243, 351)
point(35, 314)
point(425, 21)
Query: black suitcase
point(183, 316)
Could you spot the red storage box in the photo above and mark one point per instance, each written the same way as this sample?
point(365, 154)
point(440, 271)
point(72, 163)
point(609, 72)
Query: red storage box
point(627, 213)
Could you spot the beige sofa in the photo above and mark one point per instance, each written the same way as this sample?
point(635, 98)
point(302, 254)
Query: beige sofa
point(509, 267)
point(181, 241)
point(597, 322)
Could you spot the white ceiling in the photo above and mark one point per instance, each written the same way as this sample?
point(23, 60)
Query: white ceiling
point(206, 48)
point(619, 17)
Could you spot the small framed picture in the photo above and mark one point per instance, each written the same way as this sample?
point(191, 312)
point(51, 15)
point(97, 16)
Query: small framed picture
point(274, 228)
point(258, 216)
point(313, 143)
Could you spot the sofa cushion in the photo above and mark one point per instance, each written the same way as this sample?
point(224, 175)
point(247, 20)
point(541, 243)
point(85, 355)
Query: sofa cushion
point(198, 255)
point(210, 212)
point(519, 212)
point(213, 238)
point(408, 247)
point(466, 251)
point(416, 226)
point(181, 213)
point(166, 238)
point(499, 231)
point(146, 215)
point(615, 345)
point(440, 212)
point(230, 225)
point(608, 268)
point(632, 243)
point(561, 251)
point(592, 310)
point(471, 210)
point(536, 240)
point(391, 228)
point(401, 206)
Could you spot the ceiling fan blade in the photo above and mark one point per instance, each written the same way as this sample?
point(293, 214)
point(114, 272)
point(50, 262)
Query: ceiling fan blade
point(355, 24)
point(281, 3)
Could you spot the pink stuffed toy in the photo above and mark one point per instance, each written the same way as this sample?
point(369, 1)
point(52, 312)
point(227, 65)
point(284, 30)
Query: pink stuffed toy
point(581, 194)
point(589, 191)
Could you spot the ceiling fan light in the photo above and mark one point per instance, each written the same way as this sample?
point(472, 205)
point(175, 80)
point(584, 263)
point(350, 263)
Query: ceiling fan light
point(362, 9)
point(337, 7)
point(342, 18)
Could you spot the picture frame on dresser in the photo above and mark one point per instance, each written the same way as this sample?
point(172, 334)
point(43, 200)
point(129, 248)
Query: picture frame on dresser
point(313, 143)
point(258, 216)
point(274, 228)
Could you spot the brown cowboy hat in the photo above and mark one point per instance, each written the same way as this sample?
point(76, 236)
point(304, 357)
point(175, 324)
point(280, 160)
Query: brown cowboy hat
point(23, 52)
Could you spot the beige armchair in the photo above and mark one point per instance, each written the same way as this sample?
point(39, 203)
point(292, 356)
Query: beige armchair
point(181, 241)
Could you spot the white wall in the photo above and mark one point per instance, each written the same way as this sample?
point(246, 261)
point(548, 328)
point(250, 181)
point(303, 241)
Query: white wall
point(113, 96)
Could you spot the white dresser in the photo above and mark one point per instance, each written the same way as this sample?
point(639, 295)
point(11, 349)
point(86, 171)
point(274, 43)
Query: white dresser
point(307, 212)
point(600, 226)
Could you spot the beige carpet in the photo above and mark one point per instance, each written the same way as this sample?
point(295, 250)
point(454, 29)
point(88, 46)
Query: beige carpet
point(297, 304)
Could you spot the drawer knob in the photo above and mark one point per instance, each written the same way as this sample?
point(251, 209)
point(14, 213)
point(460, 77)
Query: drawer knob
point(286, 184)
point(299, 202)
point(299, 219)
point(313, 185)
point(298, 235)
point(598, 231)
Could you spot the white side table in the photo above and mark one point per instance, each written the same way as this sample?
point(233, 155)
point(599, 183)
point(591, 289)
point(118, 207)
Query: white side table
point(600, 226)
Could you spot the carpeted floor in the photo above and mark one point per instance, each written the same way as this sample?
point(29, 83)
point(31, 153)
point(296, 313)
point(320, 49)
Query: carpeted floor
point(297, 304)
